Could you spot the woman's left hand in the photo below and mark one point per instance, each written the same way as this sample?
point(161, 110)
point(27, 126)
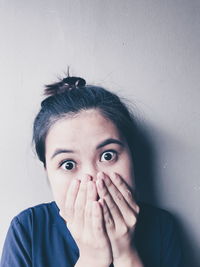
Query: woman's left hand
point(120, 216)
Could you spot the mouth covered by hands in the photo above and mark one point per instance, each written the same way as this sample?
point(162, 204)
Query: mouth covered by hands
point(101, 216)
point(120, 213)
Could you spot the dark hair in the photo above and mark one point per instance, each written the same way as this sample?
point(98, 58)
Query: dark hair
point(70, 96)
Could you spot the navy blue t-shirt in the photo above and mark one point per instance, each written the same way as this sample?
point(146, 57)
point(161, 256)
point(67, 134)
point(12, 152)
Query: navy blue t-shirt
point(38, 237)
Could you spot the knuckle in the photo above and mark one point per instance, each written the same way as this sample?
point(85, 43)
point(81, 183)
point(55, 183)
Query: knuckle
point(106, 212)
point(128, 194)
point(119, 196)
point(112, 206)
point(119, 181)
point(99, 228)
point(124, 230)
point(78, 207)
point(132, 221)
point(105, 193)
point(109, 222)
point(137, 209)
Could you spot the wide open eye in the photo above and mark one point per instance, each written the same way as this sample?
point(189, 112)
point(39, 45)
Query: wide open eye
point(108, 156)
point(68, 165)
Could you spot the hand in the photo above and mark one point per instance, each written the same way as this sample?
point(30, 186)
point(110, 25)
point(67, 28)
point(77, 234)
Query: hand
point(120, 214)
point(84, 217)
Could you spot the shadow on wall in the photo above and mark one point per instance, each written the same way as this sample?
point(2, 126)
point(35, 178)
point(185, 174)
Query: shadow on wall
point(145, 174)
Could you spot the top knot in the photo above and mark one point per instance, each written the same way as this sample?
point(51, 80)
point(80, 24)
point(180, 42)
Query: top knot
point(67, 84)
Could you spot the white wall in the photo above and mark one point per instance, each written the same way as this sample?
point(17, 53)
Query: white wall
point(148, 51)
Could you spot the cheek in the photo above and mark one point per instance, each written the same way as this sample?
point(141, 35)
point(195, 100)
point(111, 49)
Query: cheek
point(59, 186)
point(124, 167)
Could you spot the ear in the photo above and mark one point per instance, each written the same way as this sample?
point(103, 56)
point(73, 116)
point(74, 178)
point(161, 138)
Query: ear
point(44, 165)
point(45, 170)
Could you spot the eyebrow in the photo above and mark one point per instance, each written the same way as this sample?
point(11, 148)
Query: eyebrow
point(110, 141)
point(104, 143)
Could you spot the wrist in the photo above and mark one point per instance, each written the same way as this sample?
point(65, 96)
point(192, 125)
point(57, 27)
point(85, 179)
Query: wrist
point(130, 259)
point(89, 263)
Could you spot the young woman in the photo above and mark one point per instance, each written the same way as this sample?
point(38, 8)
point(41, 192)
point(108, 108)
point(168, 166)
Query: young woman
point(84, 135)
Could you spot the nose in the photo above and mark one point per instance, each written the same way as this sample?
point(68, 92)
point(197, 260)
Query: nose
point(91, 170)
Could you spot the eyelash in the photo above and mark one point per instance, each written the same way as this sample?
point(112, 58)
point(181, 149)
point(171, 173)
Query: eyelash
point(65, 161)
point(111, 150)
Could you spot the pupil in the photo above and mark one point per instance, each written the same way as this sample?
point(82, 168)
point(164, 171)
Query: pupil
point(108, 156)
point(69, 165)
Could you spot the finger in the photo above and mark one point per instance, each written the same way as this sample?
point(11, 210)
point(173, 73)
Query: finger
point(125, 191)
point(91, 191)
point(70, 199)
point(80, 202)
point(104, 194)
point(91, 196)
point(88, 221)
point(128, 214)
point(97, 223)
point(108, 220)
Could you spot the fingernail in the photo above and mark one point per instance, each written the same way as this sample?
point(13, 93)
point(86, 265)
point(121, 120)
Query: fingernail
point(84, 179)
point(100, 175)
point(75, 182)
point(116, 177)
point(100, 183)
point(90, 185)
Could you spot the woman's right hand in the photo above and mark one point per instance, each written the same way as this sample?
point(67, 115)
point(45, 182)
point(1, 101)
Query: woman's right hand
point(84, 217)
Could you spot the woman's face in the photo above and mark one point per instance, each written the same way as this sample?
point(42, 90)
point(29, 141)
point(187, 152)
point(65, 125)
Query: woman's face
point(85, 144)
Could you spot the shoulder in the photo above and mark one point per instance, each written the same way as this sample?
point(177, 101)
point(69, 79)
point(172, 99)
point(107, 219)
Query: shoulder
point(156, 221)
point(149, 212)
point(157, 236)
point(36, 214)
point(28, 230)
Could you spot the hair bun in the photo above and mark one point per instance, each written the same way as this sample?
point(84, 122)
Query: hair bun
point(74, 81)
point(67, 84)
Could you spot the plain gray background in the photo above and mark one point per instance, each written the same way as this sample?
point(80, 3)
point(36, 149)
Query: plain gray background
point(148, 52)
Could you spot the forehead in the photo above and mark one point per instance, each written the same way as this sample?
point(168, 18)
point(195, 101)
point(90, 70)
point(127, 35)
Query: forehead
point(88, 126)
